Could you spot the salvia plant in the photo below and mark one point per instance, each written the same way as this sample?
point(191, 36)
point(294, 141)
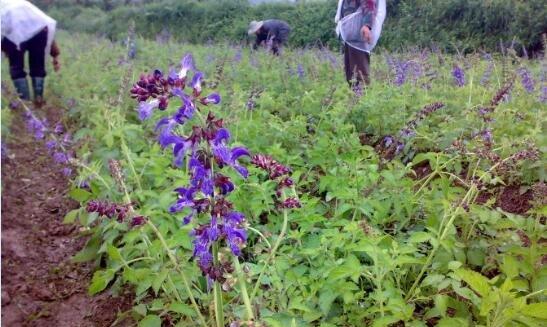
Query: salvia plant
point(208, 156)
point(459, 76)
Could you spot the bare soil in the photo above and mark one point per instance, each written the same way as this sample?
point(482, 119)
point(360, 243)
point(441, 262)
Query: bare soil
point(40, 284)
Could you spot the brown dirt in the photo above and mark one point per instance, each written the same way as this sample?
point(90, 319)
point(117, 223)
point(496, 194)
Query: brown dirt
point(511, 200)
point(40, 285)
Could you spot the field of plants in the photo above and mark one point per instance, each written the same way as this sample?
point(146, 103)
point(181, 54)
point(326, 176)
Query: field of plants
point(218, 186)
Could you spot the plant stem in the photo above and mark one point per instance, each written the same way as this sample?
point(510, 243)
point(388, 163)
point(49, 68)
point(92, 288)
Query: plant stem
point(274, 250)
point(219, 314)
point(243, 286)
point(180, 271)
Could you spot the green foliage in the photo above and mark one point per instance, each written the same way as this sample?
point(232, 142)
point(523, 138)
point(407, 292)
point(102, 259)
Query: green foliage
point(375, 243)
point(453, 25)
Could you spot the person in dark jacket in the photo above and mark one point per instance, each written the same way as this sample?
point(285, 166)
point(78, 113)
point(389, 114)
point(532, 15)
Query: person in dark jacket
point(25, 28)
point(272, 32)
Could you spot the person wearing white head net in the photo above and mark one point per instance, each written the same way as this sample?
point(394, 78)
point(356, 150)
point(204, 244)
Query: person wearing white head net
point(359, 25)
point(27, 28)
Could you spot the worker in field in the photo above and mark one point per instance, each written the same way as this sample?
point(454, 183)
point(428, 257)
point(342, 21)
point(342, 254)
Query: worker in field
point(359, 25)
point(25, 28)
point(272, 33)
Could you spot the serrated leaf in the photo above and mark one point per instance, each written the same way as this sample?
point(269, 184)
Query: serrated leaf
point(158, 281)
point(419, 237)
point(71, 216)
point(100, 280)
point(114, 253)
point(452, 322)
point(181, 308)
point(79, 195)
point(89, 252)
point(510, 266)
point(476, 281)
point(537, 310)
point(325, 300)
point(140, 309)
point(150, 321)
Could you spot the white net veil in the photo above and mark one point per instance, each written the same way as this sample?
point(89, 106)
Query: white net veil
point(21, 20)
point(349, 28)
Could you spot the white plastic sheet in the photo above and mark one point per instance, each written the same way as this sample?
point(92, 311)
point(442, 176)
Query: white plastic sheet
point(21, 20)
point(349, 27)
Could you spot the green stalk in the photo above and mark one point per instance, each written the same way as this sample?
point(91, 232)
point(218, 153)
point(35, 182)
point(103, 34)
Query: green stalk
point(274, 250)
point(180, 271)
point(219, 313)
point(243, 286)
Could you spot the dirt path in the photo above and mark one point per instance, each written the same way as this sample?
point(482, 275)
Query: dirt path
point(40, 286)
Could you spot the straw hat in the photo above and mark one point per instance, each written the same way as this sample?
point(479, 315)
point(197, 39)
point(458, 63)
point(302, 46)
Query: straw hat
point(254, 26)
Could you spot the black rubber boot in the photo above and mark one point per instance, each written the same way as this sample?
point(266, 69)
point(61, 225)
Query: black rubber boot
point(38, 89)
point(21, 85)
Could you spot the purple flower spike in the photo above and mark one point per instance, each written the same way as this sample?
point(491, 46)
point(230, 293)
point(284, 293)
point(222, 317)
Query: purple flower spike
point(51, 145)
point(60, 157)
point(213, 98)
point(145, 109)
point(186, 64)
point(196, 83)
point(528, 82)
point(459, 76)
point(59, 128)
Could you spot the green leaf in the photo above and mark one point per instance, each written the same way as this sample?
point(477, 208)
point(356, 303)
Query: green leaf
point(476, 281)
point(79, 195)
point(325, 300)
point(89, 252)
point(419, 237)
point(71, 216)
point(114, 253)
point(181, 308)
point(510, 266)
point(538, 310)
point(158, 281)
point(100, 280)
point(150, 321)
point(140, 309)
point(452, 322)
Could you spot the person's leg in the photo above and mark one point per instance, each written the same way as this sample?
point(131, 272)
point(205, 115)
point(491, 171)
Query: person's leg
point(18, 75)
point(359, 62)
point(347, 67)
point(276, 45)
point(37, 62)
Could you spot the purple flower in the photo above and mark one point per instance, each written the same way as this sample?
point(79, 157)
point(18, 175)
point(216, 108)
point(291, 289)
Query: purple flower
point(185, 199)
point(213, 98)
point(229, 157)
point(145, 109)
point(196, 83)
point(59, 128)
point(36, 126)
point(526, 79)
point(543, 95)
point(186, 64)
point(224, 184)
point(50, 145)
point(459, 76)
point(300, 71)
point(407, 133)
point(60, 157)
point(138, 221)
point(237, 56)
point(67, 171)
point(4, 150)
